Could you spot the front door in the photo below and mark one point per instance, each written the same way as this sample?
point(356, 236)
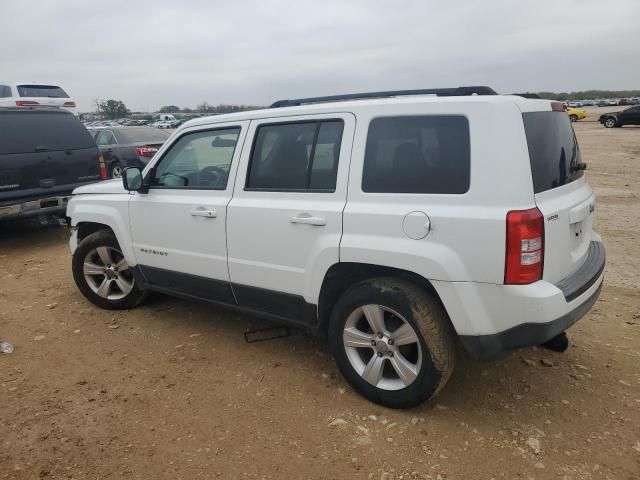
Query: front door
point(178, 227)
point(285, 219)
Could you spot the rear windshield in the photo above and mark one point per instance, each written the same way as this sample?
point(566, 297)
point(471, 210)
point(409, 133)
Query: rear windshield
point(41, 91)
point(137, 135)
point(32, 130)
point(553, 150)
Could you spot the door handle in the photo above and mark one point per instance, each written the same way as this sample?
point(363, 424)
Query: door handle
point(306, 219)
point(204, 212)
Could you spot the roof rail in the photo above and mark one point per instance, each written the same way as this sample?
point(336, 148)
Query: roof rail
point(440, 92)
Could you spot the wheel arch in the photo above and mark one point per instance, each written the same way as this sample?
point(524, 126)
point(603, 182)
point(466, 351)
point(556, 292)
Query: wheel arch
point(341, 276)
point(90, 217)
point(87, 228)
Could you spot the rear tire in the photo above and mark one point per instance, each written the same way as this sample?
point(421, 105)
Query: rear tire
point(573, 118)
point(103, 275)
point(411, 356)
point(116, 170)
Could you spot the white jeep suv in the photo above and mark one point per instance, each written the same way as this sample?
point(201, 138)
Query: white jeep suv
point(396, 224)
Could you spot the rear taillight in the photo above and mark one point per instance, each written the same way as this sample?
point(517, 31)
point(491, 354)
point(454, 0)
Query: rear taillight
point(525, 247)
point(70, 104)
point(103, 167)
point(25, 103)
point(146, 152)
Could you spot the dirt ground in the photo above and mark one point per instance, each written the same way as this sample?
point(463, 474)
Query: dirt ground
point(171, 390)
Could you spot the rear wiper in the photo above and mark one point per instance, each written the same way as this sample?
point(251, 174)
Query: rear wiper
point(577, 167)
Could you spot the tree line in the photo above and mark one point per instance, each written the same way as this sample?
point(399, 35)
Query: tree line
point(590, 94)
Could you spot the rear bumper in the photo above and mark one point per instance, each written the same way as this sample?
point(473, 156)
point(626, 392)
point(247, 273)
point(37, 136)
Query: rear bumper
point(490, 347)
point(492, 320)
point(29, 207)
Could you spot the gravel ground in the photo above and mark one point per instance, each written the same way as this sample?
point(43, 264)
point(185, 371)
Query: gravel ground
point(171, 389)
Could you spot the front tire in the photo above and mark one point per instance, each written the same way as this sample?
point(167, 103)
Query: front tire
point(102, 274)
point(573, 118)
point(392, 341)
point(610, 122)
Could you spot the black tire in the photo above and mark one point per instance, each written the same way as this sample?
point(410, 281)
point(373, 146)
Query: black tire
point(610, 122)
point(115, 170)
point(573, 118)
point(102, 238)
point(429, 321)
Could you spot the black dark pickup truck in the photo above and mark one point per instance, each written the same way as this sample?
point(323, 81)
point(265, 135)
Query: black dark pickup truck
point(45, 153)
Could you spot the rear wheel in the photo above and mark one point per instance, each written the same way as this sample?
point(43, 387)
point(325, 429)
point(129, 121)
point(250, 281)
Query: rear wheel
point(573, 118)
point(116, 170)
point(610, 122)
point(102, 273)
point(392, 342)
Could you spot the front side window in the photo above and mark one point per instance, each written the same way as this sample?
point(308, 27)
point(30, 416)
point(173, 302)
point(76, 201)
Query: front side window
point(417, 154)
point(299, 156)
point(199, 160)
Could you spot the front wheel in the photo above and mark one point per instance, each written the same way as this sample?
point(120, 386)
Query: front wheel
point(102, 273)
point(573, 118)
point(610, 122)
point(392, 341)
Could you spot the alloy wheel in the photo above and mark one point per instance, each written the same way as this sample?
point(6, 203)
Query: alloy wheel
point(382, 347)
point(107, 273)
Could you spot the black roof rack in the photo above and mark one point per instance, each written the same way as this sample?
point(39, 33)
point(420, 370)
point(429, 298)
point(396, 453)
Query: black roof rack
point(527, 95)
point(441, 92)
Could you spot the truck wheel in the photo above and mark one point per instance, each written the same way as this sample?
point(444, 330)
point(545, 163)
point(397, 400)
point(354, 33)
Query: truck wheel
point(116, 170)
point(573, 118)
point(610, 122)
point(392, 341)
point(102, 273)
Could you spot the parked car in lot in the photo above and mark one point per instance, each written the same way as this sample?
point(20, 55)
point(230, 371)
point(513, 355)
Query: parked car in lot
point(14, 94)
point(576, 114)
point(128, 147)
point(45, 153)
point(374, 221)
point(628, 116)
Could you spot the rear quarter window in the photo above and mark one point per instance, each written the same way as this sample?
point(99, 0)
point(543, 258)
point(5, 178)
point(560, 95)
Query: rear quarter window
point(417, 154)
point(553, 150)
point(31, 130)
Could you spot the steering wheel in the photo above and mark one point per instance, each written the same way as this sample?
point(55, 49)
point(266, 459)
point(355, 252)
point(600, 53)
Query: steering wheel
point(211, 176)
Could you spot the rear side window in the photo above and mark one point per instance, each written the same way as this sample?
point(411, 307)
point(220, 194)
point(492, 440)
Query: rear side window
point(553, 150)
point(417, 154)
point(32, 130)
point(5, 91)
point(300, 156)
point(42, 91)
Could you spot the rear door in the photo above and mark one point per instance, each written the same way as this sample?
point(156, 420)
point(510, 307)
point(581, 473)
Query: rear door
point(285, 219)
point(561, 192)
point(44, 151)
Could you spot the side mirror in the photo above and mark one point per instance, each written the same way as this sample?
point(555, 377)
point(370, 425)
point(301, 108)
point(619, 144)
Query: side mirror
point(132, 179)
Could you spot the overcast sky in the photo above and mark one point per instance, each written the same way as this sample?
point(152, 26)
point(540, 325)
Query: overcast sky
point(183, 52)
